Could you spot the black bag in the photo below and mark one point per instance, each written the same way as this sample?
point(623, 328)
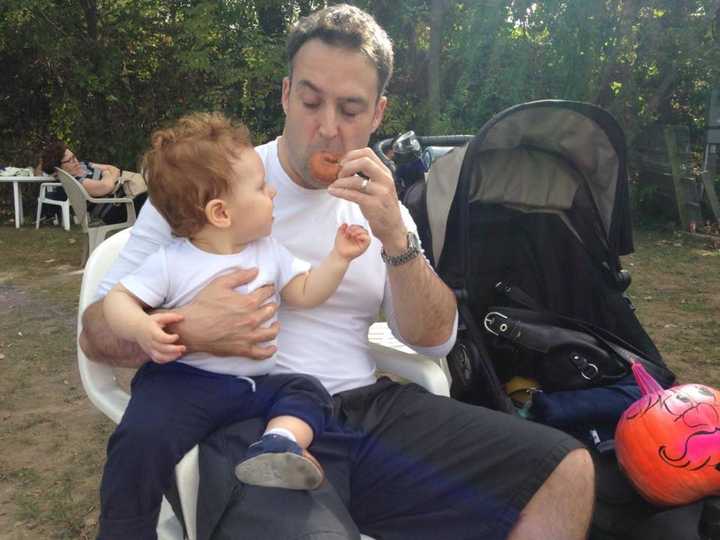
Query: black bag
point(568, 354)
point(568, 359)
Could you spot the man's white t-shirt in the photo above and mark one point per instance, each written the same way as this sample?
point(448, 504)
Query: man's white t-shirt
point(329, 341)
point(173, 275)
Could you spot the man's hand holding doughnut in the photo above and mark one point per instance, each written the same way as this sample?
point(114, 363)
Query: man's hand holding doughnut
point(365, 180)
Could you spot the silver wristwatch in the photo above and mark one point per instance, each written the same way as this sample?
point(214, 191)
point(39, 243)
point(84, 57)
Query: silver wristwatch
point(412, 251)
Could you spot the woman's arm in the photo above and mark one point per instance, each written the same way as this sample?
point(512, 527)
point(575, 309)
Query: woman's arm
point(104, 166)
point(109, 175)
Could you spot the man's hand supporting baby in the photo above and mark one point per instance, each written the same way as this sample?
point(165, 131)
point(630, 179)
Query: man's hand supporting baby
point(218, 321)
point(222, 322)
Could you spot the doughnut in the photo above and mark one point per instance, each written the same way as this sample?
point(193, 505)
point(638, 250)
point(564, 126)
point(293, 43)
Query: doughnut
point(324, 167)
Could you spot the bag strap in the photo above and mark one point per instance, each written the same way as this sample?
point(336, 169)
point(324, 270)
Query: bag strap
point(517, 295)
point(626, 351)
point(542, 334)
point(487, 371)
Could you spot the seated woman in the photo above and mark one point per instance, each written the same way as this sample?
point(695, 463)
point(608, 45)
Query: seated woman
point(99, 180)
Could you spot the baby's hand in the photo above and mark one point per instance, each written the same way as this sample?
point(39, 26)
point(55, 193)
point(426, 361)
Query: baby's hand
point(156, 342)
point(351, 241)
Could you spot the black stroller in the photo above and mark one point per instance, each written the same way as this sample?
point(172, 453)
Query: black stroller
point(530, 216)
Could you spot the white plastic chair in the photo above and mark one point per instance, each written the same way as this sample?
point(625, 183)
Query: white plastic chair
point(43, 198)
point(106, 394)
point(79, 197)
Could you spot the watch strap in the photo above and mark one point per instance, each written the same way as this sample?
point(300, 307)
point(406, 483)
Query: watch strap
point(412, 251)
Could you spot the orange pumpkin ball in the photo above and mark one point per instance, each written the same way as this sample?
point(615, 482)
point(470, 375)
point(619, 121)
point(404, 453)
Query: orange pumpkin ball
point(668, 444)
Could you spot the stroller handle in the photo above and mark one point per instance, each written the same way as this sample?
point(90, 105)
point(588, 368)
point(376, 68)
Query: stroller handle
point(381, 147)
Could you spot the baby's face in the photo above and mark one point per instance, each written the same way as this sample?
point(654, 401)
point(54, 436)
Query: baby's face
point(251, 201)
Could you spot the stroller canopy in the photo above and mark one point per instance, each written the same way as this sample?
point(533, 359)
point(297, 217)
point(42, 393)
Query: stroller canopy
point(534, 157)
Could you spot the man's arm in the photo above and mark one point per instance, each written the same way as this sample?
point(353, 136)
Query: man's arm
point(424, 306)
point(426, 318)
point(219, 321)
point(100, 344)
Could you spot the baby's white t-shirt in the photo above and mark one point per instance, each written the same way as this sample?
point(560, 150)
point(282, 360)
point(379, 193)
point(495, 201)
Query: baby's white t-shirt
point(173, 275)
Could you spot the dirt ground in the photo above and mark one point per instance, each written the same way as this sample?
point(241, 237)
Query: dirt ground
point(53, 439)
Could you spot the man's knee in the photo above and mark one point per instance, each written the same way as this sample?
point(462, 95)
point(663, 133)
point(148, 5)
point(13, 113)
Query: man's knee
point(575, 473)
point(562, 507)
point(571, 486)
point(580, 460)
point(571, 483)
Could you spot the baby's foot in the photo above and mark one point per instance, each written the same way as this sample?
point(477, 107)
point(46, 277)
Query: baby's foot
point(276, 461)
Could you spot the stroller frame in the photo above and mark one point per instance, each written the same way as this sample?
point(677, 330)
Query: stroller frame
point(447, 235)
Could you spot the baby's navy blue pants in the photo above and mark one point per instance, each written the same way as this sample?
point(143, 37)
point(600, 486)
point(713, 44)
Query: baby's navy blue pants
point(173, 407)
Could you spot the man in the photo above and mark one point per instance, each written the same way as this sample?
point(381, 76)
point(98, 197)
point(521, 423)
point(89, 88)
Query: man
point(401, 463)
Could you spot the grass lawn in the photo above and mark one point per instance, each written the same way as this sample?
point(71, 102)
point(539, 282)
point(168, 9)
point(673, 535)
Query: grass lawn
point(54, 440)
point(676, 290)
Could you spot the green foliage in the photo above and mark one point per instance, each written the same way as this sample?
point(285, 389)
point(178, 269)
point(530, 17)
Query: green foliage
point(103, 75)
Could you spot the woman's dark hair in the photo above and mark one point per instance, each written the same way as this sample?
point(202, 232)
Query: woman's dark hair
point(52, 156)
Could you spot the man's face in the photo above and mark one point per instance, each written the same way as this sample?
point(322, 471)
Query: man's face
point(330, 104)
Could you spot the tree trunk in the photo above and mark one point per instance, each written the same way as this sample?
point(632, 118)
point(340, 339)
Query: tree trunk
point(271, 16)
point(670, 70)
point(305, 7)
point(89, 8)
point(437, 24)
point(614, 69)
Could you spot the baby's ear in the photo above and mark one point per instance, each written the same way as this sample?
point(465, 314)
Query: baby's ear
point(217, 213)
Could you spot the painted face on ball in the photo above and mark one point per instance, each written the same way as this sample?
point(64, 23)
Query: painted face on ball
point(694, 434)
point(668, 442)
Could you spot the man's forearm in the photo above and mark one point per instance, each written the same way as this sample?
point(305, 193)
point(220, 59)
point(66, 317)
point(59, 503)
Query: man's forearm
point(100, 344)
point(424, 306)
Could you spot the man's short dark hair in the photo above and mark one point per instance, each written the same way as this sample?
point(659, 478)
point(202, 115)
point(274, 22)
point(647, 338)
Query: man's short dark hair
point(349, 27)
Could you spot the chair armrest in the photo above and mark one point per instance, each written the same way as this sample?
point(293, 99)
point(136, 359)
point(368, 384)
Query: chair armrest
point(115, 200)
point(47, 186)
point(102, 387)
point(413, 367)
point(187, 476)
point(395, 357)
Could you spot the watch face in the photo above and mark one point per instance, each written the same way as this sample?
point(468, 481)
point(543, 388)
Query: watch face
point(413, 241)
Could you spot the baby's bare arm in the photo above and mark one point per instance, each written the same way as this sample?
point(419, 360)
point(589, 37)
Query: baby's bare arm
point(316, 286)
point(128, 320)
point(124, 313)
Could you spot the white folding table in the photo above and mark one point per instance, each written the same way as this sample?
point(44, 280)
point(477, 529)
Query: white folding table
point(17, 201)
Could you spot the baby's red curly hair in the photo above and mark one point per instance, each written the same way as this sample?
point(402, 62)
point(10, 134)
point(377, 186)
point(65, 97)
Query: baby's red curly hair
point(191, 163)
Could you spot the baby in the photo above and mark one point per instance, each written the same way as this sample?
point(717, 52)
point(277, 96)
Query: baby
point(207, 181)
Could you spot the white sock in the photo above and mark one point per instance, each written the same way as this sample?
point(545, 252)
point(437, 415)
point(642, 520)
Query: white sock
point(282, 432)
